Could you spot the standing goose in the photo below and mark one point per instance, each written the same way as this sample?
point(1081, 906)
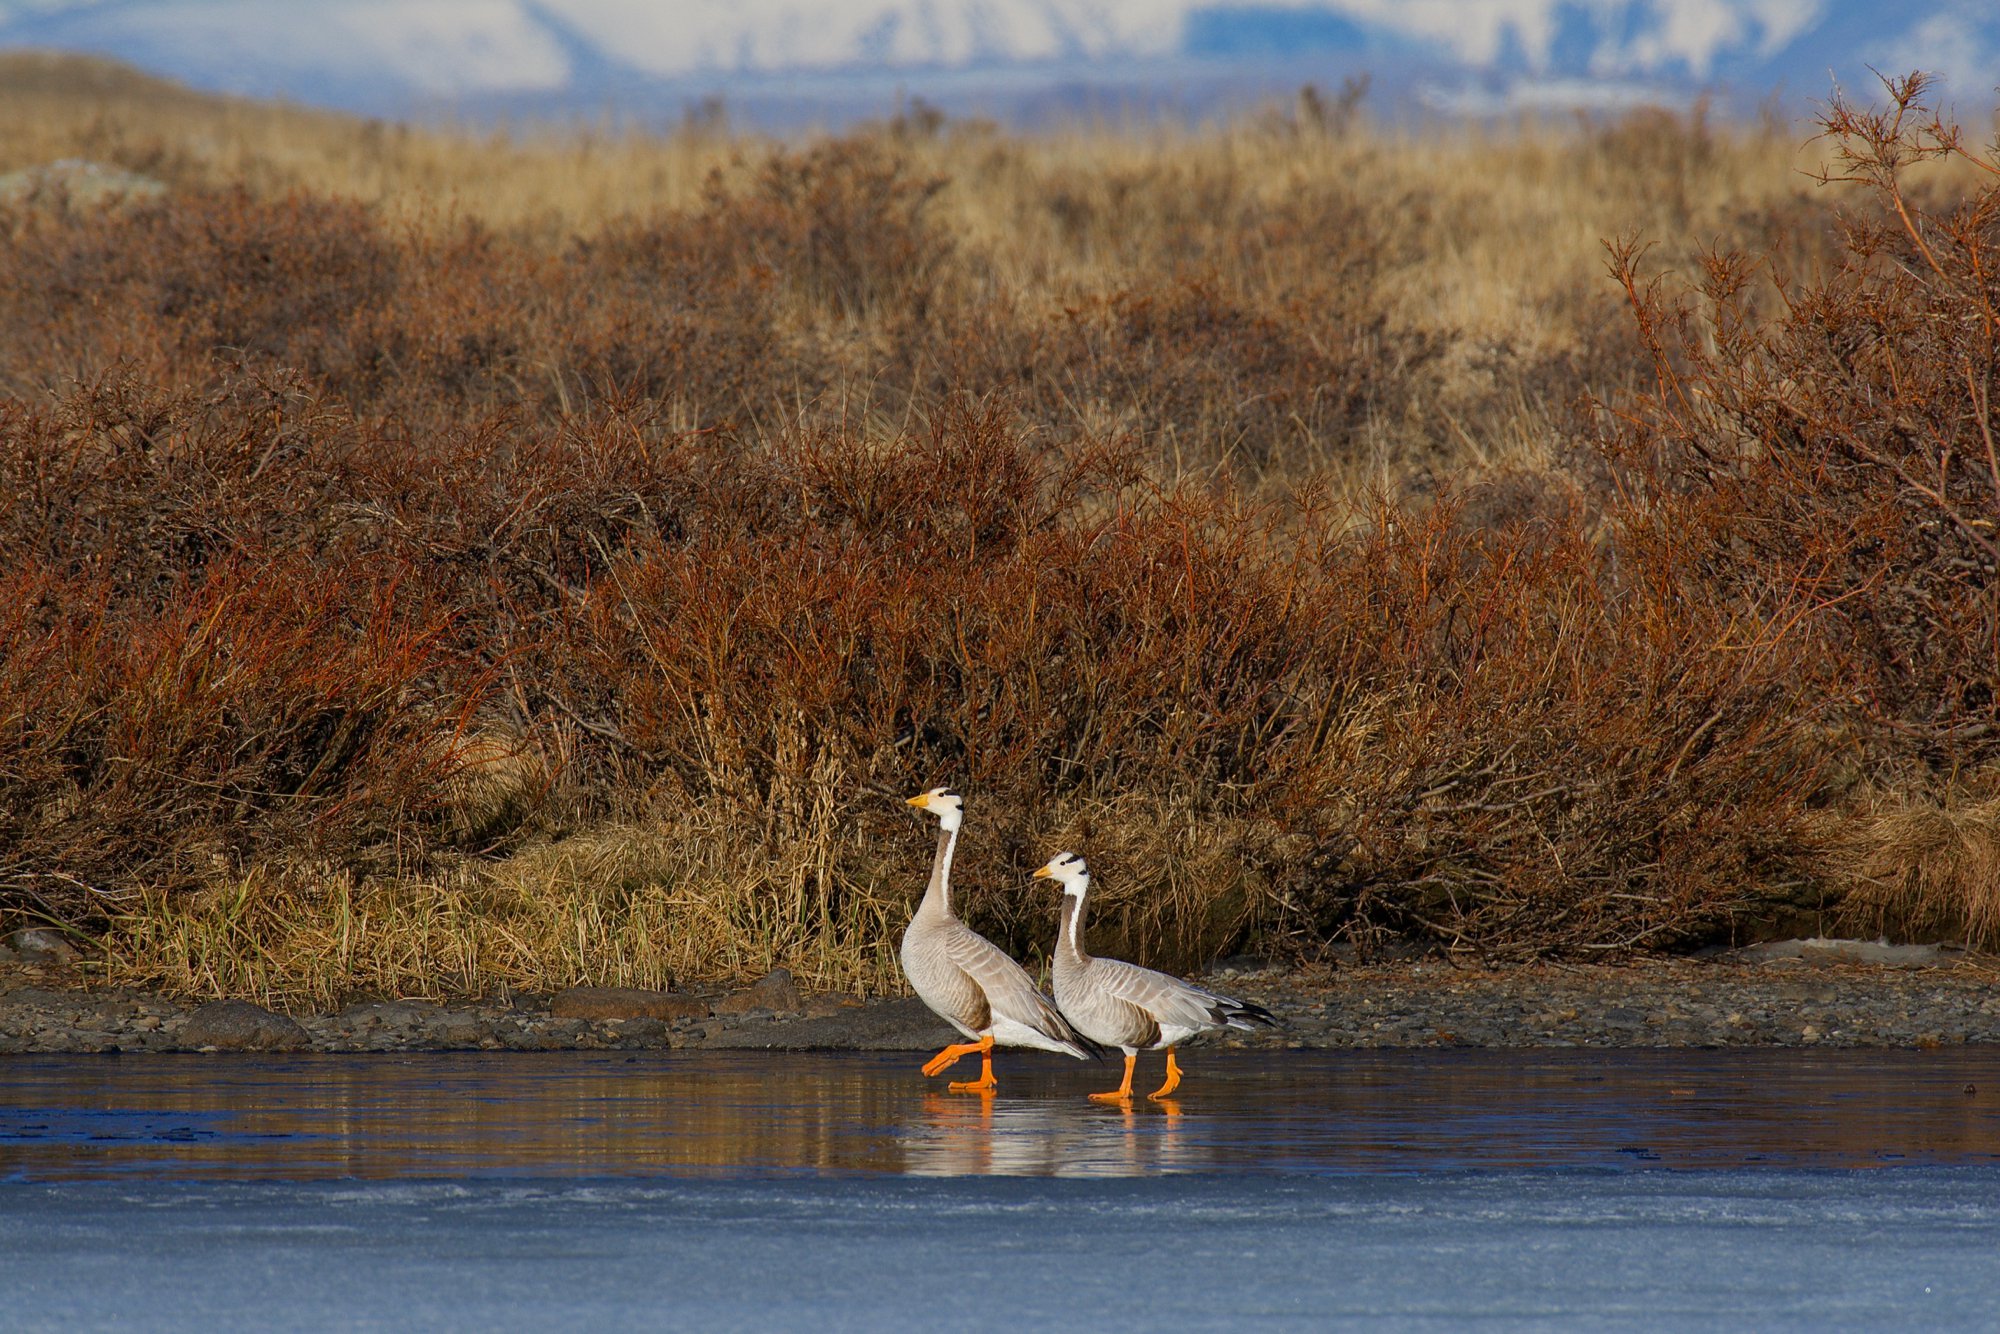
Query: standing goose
point(964, 977)
point(1123, 1005)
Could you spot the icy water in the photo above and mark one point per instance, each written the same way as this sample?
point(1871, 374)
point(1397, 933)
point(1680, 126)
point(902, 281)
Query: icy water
point(1418, 1190)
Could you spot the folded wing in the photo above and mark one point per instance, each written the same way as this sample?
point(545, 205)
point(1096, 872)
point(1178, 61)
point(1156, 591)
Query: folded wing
point(1180, 1009)
point(1010, 993)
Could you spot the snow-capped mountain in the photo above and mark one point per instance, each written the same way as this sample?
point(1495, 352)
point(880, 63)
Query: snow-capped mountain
point(489, 55)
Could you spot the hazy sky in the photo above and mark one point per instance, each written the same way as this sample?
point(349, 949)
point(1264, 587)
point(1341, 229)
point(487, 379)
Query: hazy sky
point(369, 53)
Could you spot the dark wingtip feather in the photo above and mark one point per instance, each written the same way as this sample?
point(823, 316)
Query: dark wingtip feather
point(1236, 1012)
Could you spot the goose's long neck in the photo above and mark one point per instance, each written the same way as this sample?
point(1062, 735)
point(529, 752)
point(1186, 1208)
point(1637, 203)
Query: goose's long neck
point(937, 896)
point(1069, 941)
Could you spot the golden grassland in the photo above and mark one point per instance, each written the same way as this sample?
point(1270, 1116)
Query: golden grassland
point(1492, 240)
point(449, 560)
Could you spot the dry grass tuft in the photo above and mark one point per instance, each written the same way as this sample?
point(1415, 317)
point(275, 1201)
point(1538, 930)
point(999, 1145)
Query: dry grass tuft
point(1922, 871)
point(618, 905)
point(497, 783)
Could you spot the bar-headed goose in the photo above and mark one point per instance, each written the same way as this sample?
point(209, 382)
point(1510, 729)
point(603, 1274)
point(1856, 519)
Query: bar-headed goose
point(1122, 1005)
point(964, 977)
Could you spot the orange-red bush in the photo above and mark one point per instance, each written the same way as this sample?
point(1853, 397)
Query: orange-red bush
point(269, 708)
point(1837, 465)
point(288, 617)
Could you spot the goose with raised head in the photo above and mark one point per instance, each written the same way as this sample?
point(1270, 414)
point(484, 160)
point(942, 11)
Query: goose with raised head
point(965, 977)
point(1118, 1004)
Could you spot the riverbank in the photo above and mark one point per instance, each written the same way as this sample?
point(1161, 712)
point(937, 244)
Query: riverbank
point(1806, 993)
point(399, 598)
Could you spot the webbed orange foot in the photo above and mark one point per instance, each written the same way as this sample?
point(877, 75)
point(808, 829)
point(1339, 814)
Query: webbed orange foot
point(984, 1084)
point(951, 1056)
point(1173, 1079)
point(1123, 1093)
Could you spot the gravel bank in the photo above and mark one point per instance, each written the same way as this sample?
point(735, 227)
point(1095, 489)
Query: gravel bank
point(1807, 997)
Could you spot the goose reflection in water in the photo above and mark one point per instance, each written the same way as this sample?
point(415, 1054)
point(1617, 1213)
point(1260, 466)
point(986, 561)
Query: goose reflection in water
point(1036, 1137)
point(721, 1114)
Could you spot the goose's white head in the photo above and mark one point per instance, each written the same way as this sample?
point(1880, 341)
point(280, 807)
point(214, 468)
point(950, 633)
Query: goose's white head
point(1067, 869)
point(942, 802)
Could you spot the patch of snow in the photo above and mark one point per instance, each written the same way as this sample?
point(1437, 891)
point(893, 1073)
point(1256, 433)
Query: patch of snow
point(746, 36)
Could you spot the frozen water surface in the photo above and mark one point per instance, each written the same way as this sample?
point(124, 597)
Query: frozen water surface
point(1423, 1190)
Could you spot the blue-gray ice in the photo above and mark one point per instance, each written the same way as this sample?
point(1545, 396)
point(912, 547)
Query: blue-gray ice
point(1903, 1248)
point(1397, 1190)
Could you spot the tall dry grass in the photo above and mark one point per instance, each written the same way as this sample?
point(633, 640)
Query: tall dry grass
point(439, 562)
point(1907, 865)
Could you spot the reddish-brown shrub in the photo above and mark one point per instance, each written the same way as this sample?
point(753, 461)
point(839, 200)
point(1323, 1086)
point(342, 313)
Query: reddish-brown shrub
point(424, 328)
point(845, 225)
point(268, 708)
point(1479, 740)
point(173, 283)
point(1537, 756)
point(1839, 462)
point(1488, 739)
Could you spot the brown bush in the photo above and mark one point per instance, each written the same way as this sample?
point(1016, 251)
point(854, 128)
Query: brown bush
point(1543, 757)
point(1220, 324)
point(1839, 462)
point(845, 225)
point(173, 283)
point(1204, 380)
point(1410, 729)
point(425, 329)
point(271, 708)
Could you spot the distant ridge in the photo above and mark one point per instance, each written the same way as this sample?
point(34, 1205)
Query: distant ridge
point(792, 57)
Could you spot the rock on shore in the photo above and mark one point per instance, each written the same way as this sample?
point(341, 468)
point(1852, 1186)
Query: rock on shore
point(230, 1025)
point(1801, 997)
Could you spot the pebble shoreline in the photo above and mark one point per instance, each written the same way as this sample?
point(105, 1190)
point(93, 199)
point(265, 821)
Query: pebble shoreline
point(1769, 999)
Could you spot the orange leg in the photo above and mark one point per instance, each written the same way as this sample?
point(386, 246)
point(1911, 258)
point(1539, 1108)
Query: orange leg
point(1123, 1093)
point(983, 1084)
point(949, 1057)
point(1173, 1078)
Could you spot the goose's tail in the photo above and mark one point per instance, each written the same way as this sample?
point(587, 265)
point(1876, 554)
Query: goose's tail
point(1242, 1014)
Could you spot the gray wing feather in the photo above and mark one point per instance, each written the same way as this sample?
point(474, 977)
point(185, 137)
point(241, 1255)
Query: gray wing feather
point(1009, 990)
point(1167, 999)
point(1098, 1013)
point(1170, 1002)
